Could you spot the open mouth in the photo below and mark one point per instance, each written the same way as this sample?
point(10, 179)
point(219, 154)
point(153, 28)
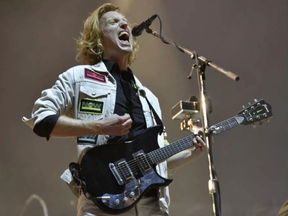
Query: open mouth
point(123, 36)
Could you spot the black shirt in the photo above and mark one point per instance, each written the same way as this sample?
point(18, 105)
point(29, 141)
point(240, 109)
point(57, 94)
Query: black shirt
point(127, 101)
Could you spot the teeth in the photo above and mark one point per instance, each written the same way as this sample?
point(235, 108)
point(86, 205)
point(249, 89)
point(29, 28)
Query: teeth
point(123, 33)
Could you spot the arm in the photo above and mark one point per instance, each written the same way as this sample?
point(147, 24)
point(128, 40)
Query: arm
point(49, 114)
point(114, 125)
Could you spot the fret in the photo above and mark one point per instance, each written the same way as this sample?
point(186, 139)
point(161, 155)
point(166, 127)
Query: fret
point(162, 154)
point(226, 125)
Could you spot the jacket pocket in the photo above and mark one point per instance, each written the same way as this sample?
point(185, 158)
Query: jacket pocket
point(92, 103)
point(93, 93)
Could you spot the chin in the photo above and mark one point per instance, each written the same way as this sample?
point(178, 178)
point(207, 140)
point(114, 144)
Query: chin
point(126, 50)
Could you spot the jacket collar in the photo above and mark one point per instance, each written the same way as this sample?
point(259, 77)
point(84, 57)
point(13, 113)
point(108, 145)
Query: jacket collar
point(100, 67)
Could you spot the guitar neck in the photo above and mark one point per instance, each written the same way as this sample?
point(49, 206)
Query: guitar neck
point(227, 124)
point(162, 154)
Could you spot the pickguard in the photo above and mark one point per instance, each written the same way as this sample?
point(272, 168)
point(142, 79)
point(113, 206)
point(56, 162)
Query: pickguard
point(134, 189)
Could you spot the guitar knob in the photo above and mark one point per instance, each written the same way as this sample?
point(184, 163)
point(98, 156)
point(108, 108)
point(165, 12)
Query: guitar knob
point(132, 194)
point(255, 100)
point(125, 199)
point(117, 202)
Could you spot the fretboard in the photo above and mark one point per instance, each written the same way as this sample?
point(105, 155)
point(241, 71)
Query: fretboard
point(227, 124)
point(162, 154)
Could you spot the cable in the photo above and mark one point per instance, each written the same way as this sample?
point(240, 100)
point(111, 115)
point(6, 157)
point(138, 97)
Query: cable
point(38, 198)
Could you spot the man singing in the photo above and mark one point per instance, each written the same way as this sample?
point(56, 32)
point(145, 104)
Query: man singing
point(103, 102)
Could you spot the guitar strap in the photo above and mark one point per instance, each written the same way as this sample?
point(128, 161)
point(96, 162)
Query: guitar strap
point(156, 116)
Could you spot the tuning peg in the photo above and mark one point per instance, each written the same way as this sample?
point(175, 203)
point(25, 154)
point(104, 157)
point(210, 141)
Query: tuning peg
point(267, 120)
point(249, 103)
point(243, 106)
point(255, 100)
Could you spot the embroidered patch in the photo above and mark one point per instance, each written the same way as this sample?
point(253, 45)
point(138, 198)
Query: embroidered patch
point(91, 106)
point(87, 139)
point(92, 75)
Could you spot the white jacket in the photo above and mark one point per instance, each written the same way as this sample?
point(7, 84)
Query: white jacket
point(96, 83)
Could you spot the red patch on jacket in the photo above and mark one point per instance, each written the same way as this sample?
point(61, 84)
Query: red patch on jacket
point(92, 75)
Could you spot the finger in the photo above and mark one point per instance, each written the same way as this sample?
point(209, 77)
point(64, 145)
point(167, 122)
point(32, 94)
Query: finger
point(127, 125)
point(124, 132)
point(200, 141)
point(195, 140)
point(126, 116)
point(127, 122)
point(121, 119)
point(119, 131)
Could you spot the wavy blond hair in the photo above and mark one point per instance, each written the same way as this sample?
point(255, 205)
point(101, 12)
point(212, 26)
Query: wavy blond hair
point(90, 41)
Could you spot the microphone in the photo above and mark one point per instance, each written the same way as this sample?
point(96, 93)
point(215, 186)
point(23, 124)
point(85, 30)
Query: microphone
point(137, 30)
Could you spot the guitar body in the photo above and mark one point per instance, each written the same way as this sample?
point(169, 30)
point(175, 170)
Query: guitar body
point(118, 175)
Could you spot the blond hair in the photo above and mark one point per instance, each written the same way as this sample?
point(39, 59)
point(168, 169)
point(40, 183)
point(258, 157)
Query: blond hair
point(90, 41)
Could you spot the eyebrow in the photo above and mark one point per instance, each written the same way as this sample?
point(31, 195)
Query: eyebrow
point(123, 18)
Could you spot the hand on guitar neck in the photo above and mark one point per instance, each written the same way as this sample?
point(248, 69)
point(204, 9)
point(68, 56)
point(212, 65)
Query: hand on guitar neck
point(188, 155)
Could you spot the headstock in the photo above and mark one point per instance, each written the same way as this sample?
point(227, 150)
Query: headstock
point(256, 112)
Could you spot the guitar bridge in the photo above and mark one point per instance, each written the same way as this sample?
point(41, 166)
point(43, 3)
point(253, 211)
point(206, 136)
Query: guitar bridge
point(116, 174)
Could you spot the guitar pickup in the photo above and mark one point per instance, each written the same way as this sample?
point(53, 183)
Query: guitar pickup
point(124, 168)
point(142, 162)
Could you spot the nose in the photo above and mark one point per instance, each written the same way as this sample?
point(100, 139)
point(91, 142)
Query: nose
point(123, 25)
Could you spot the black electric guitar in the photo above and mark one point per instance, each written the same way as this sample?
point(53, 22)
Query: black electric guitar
point(116, 176)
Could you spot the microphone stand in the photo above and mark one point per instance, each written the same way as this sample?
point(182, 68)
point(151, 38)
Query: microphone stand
point(201, 63)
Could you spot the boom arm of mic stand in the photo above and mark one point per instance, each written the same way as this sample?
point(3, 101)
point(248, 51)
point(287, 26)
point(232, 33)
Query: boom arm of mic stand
point(192, 56)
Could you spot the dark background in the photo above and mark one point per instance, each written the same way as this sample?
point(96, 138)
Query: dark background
point(247, 37)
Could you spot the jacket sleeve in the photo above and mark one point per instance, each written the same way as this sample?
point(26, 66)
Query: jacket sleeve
point(57, 100)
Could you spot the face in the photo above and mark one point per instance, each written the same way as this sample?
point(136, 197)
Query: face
point(117, 38)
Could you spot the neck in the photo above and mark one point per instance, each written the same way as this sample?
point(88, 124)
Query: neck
point(122, 61)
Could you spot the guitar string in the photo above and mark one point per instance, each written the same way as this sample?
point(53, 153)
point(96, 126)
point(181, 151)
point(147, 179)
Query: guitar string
point(227, 124)
point(134, 166)
point(165, 152)
point(133, 163)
